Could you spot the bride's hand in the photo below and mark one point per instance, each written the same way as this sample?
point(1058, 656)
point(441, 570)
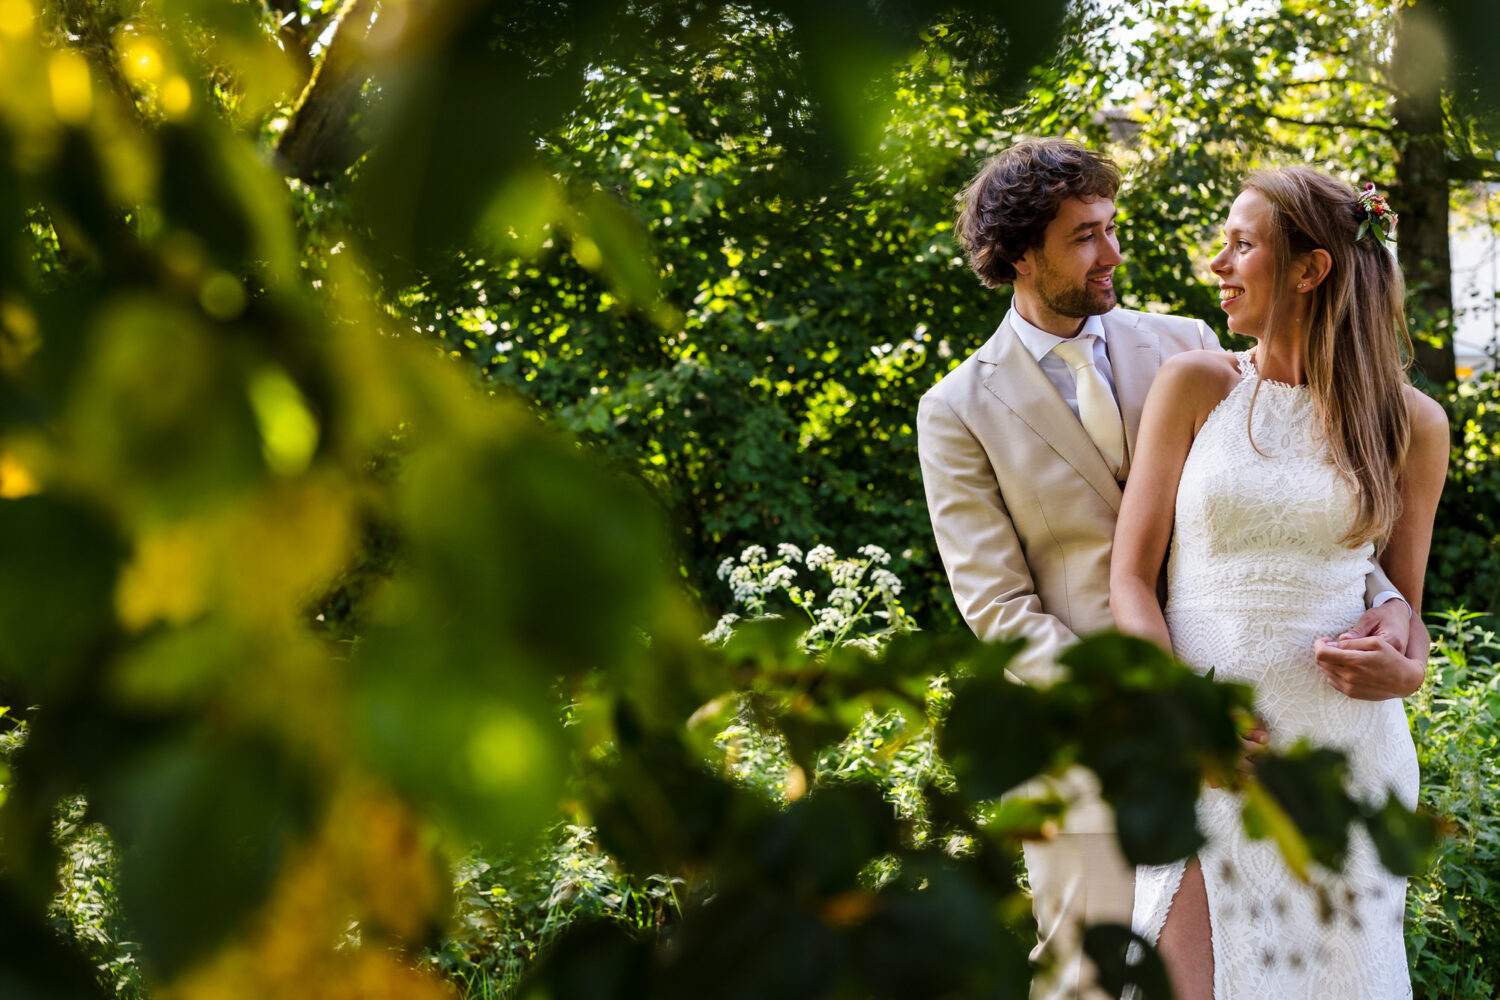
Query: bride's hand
point(1368, 668)
point(1390, 621)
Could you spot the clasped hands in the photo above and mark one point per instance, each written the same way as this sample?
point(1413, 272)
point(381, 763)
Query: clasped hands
point(1378, 658)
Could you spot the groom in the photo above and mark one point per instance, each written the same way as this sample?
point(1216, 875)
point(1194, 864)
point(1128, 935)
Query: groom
point(1024, 447)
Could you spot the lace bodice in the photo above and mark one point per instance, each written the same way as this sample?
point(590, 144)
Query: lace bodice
point(1261, 516)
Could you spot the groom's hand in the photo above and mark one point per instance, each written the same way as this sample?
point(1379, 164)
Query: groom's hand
point(1368, 668)
point(1253, 744)
point(1390, 621)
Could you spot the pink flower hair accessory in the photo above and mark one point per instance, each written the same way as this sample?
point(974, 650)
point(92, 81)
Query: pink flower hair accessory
point(1375, 215)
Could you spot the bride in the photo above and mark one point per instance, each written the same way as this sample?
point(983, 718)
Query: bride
point(1276, 474)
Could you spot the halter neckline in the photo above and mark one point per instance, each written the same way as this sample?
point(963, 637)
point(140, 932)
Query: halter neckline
point(1249, 369)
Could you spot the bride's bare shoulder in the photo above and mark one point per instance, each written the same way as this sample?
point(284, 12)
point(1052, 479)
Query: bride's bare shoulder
point(1189, 386)
point(1426, 413)
point(1195, 374)
point(1429, 421)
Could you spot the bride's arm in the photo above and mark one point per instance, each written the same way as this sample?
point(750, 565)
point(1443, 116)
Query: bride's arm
point(1364, 668)
point(1421, 485)
point(1185, 390)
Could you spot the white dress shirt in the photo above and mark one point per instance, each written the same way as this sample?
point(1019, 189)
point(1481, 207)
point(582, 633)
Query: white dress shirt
point(1039, 344)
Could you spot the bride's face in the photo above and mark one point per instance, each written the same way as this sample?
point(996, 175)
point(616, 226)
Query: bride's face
point(1247, 267)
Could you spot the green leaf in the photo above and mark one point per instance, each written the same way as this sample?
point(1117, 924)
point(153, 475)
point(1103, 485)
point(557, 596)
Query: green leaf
point(1404, 839)
point(614, 242)
point(1307, 784)
point(203, 827)
point(1263, 817)
point(1155, 818)
point(1124, 959)
point(57, 578)
point(996, 736)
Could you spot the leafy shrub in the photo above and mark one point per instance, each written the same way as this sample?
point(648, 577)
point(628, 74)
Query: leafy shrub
point(513, 913)
point(1453, 911)
point(1464, 568)
point(509, 912)
point(893, 750)
point(85, 909)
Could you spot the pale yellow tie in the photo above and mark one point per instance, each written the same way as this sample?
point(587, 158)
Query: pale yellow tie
point(1097, 410)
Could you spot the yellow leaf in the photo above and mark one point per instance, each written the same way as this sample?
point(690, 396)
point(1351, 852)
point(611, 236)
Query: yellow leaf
point(72, 88)
point(1264, 817)
point(284, 545)
point(15, 479)
point(165, 581)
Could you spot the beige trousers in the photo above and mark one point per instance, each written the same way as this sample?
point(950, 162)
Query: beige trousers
point(1076, 879)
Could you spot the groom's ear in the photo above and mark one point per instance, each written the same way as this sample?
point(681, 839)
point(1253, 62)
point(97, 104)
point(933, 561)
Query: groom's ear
point(1312, 268)
point(1024, 263)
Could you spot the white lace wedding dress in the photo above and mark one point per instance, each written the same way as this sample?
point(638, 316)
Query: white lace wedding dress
point(1256, 573)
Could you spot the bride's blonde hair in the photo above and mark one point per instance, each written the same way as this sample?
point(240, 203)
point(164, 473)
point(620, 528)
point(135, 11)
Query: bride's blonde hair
point(1357, 348)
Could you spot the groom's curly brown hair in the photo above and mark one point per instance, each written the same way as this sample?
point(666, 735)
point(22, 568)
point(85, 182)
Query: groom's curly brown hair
point(1007, 207)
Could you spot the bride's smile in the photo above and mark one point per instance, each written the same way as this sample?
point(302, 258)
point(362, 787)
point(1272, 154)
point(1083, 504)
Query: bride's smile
point(1246, 267)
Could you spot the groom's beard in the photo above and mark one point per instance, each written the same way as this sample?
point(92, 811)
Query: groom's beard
point(1064, 298)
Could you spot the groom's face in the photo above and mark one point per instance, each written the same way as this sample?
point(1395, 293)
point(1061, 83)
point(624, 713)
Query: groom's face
point(1072, 272)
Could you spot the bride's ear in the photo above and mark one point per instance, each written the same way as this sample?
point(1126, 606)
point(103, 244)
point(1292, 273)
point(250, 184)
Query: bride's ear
point(1311, 268)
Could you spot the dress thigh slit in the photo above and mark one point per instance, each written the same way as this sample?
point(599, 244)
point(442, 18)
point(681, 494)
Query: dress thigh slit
point(1186, 941)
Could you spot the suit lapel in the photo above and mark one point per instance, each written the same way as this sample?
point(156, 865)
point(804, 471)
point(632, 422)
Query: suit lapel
point(1134, 357)
point(1015, 378)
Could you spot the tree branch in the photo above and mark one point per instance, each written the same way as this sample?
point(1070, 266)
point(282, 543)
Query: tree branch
point(318, 141)
point(1362, 81)
point(1318, 123)
point(1473, 168)
point(293, 34)
point(92, 39)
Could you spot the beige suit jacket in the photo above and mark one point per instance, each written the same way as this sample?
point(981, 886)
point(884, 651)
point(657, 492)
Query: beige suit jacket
point(1024, 506)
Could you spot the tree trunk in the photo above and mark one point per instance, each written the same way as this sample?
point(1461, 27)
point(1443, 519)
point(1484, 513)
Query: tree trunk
point(319, 140)
point(1421, 195)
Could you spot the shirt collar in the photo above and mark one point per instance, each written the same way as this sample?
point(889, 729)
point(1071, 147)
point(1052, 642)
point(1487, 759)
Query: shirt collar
point(1039, 342)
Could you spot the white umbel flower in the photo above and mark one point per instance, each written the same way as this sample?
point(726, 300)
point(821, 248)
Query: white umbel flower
point(844, 598)
point(886, 582)
point(777, 578)
point(820, 556)
point(721, 631)
point(846, 573)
